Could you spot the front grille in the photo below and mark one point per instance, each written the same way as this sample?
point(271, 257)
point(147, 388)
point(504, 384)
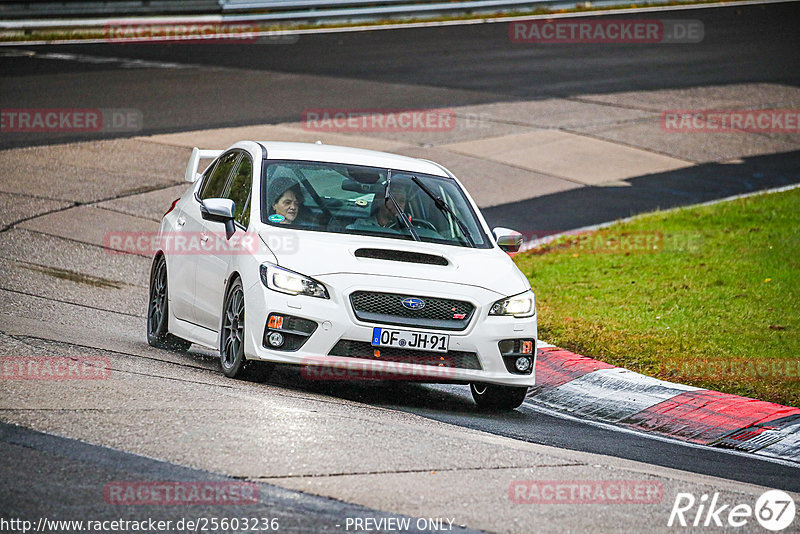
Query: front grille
point(364, 350)
point(387, 308)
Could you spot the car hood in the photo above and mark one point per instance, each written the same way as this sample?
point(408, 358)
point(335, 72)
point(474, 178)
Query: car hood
point(317, 254)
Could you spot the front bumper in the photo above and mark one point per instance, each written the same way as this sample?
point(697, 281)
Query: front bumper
point(336, 321)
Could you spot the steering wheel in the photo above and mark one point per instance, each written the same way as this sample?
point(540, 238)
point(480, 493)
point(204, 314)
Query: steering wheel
point(414, 222)
point(425, 224)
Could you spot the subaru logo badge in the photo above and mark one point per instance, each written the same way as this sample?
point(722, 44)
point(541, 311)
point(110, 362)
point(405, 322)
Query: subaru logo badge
point(413, 303)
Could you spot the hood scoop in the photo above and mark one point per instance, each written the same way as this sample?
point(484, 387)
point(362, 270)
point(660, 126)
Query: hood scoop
point(400, 255)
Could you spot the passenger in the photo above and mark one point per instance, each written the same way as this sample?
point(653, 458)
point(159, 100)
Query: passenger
point(286, 200)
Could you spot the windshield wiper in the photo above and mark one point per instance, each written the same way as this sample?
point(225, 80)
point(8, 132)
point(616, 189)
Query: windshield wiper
point(400, 213)
point(442, 205)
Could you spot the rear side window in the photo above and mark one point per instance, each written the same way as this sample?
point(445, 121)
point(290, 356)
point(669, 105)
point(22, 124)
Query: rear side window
point(214, 184)
point(239, 190)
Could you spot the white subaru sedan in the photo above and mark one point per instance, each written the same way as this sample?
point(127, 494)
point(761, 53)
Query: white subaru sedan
point(350, 263)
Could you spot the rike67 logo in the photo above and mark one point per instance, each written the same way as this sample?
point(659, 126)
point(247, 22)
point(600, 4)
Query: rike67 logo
point(774, 510)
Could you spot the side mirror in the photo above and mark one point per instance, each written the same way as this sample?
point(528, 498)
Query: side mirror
point(219, 210)
point(507, 239)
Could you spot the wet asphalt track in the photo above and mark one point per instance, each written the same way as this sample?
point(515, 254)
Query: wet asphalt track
point(448, 67)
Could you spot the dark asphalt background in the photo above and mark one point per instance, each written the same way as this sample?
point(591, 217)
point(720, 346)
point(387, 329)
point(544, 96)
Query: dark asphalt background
point(465, 65)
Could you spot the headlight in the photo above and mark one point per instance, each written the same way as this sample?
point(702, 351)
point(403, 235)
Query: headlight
point(522, 305)
point(286, 281)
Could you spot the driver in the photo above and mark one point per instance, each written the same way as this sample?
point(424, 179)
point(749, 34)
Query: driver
point(384, 213)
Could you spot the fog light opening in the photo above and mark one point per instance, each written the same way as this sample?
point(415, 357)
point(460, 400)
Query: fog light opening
point(275, 339)
point(523, 363)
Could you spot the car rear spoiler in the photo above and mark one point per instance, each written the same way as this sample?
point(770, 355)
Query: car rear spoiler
point(194, 162)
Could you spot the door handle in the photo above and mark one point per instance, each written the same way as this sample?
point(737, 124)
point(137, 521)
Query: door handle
point(181, 221)
point(204, 238)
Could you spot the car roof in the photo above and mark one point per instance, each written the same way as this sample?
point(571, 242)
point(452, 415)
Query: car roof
point(348, 155)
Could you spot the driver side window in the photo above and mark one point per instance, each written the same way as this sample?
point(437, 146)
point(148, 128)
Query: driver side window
point(239, 190)
point(214, 185)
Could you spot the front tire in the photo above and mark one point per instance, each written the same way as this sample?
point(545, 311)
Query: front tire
point(158, 311)
point(494, 397)
point(231, 339)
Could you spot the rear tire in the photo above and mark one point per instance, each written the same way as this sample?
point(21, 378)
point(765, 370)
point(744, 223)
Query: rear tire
point(231, 340)
point(494, 397)
point(158, 311)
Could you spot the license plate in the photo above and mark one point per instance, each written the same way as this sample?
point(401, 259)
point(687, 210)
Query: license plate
point(404, 339)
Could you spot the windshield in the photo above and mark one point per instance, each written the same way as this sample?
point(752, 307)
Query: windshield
point(350, 199)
